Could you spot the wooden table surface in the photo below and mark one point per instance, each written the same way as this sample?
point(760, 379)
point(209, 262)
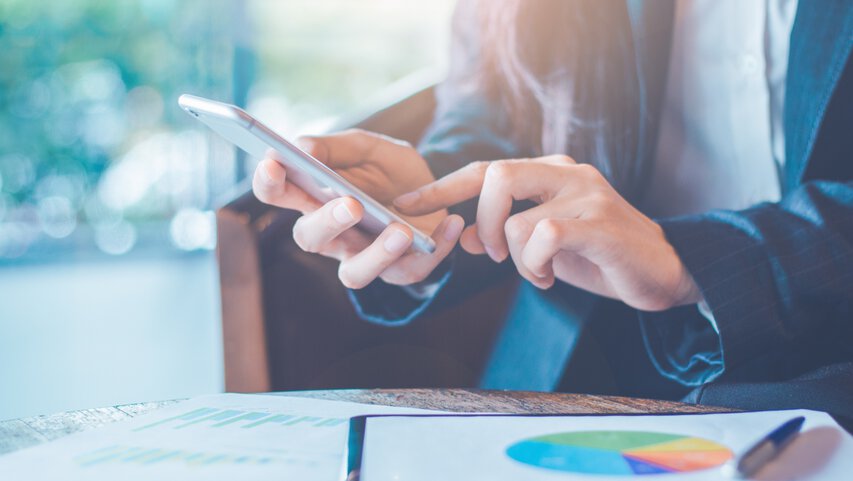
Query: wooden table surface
point(20, 433)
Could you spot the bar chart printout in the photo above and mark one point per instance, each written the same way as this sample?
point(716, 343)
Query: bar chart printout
point(204, 418)
point(227, 436)
point(217, 418)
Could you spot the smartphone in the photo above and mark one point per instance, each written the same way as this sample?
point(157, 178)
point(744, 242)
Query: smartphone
point(303, 170)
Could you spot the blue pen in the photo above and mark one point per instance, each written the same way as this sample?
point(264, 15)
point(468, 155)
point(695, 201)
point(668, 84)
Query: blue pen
point(763, 451)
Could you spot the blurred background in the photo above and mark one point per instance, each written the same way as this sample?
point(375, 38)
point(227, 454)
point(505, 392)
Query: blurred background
point(108, 284)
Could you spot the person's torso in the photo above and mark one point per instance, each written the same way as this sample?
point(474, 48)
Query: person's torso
point(721, 139)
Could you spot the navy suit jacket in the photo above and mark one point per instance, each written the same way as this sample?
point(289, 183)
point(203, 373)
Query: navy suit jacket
point(778, 277)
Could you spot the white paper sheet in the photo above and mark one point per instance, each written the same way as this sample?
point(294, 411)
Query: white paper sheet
point(501, 448)
point(226, 436)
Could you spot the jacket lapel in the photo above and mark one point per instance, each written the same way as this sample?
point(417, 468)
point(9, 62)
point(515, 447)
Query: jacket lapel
point(821, 40)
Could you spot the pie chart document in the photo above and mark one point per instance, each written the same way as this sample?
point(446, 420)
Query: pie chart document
point(553, 447)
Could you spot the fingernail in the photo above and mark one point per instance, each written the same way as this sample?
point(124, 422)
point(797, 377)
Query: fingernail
point(406, 200)
point(396, 242)
point(453, 228)
point(342, 214)
point(265, 175)
point(539, 274)
point(493, 254)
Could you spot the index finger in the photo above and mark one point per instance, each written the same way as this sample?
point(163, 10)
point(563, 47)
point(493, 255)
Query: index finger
point(458, 186)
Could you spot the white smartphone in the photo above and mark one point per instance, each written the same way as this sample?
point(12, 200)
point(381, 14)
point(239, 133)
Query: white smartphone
point(303, 170)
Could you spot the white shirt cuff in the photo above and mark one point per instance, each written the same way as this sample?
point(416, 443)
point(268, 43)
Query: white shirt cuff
point(705, 310)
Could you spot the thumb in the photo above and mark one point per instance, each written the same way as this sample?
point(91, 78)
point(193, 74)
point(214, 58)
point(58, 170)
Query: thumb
point(471, 242)
point(315, 147)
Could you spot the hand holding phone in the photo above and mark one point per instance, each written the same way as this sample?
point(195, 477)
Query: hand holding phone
point(380, 169)
point(323, 228)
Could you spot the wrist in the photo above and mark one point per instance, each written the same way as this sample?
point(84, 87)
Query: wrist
point(687, 291)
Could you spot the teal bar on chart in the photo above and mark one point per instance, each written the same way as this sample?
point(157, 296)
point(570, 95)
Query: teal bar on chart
point(221, 415)
point(278, 418)
point(245, 417)
point(181, 417)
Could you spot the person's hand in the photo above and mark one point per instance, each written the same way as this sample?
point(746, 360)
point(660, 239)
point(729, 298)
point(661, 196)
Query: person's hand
point(383, 168)
point(582, 232)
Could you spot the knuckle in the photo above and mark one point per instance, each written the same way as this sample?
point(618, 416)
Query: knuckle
point(499, 171)
point(347, 279)
point(516, 227)
point(300, 237)
point(563, 159)
point(588, 172)
point(550, 231)
point(479, 165)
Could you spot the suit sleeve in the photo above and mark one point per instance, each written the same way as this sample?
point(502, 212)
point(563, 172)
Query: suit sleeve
point(772, 275)
point(467, 127)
